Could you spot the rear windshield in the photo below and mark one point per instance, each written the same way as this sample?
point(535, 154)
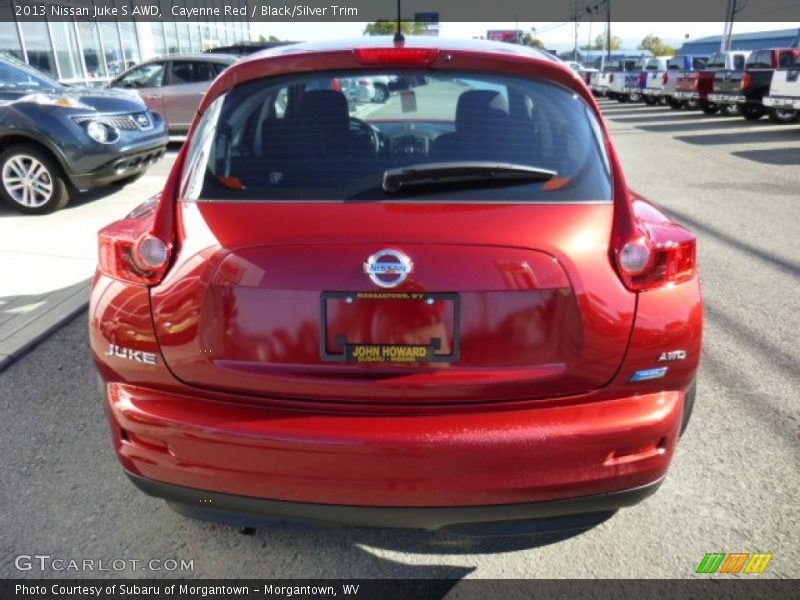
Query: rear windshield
point(333, 136)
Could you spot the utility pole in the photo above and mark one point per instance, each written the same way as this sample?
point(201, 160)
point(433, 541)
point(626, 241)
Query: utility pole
point(575, 51)
point(727, 35)
point(608, 31)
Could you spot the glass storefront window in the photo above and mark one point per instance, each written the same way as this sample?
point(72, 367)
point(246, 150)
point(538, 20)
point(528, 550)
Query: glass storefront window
point(115, 62)
point(197, 37)
point(171, 33)
point(183, 37)
point(66, 47)
point(9, 40)
point(130, 43)
point(37, 46)
point(92, 56)
point(157, 29)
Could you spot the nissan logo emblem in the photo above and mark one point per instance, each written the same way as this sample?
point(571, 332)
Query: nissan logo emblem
point(388, 268)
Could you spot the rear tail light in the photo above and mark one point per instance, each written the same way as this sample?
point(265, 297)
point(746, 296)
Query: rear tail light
point(396, 56)
point(611, 78)
point(129, 251)
point(336, 85)
point(665, 79)
point(747, 80)
point(642, 79)
point(658, 255)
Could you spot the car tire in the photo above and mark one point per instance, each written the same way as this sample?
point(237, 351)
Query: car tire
point(127, 180)
point(622, 99)
point(752, 113)
point(381, 94)
point(635, 98)
point(782, 115)
point(691, 104)
point(649, 101)
point(48, 189)
point(730, 110)
point(674, 104)
point(688, 406)
point(709, 108)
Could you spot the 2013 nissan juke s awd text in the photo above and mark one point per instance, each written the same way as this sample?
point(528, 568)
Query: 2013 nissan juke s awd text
point(445, 311)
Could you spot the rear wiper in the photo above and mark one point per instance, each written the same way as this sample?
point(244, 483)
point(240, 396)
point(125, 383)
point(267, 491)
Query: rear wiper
point(462, 172)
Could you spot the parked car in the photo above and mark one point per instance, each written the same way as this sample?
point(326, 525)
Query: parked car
point(453, 316)
point(784, 90)
point(246, 48)
point(679, 69)
point(600, 81)
point(695, 86)
point(56, 140)
point(632, 81)
point(655, 80)
point(747, 88)
point(174, 85)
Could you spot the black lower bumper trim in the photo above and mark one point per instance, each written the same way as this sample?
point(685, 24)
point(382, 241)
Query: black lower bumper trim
point(534, 517)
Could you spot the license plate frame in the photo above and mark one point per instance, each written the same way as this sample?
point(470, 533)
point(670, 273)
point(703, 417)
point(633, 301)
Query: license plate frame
point(375, 354)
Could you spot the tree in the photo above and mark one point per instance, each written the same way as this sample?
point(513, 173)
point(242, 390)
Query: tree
point(387, 27)
point(600, 43)
point(527, 39)
point(271, 38)
point(656, 45)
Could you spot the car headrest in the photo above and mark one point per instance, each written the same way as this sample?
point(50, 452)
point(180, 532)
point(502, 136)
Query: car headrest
point(326, 107)
point(476, 107)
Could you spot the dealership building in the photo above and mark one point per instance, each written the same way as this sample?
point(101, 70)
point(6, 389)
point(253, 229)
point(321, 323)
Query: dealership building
point(92, 52)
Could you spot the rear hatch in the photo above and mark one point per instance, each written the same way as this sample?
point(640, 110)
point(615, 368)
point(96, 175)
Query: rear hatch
point(318, 261)
point(261, 313)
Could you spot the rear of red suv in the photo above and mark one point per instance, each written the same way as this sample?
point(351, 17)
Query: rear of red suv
point(443, 311)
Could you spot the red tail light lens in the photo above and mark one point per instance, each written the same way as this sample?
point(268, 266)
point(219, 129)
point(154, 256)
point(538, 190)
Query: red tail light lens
point(128, 251)
point(665, 79)
point(611, 78)
point(747, 80)
point(661, 254)
point(642, 79)
point(396, 56)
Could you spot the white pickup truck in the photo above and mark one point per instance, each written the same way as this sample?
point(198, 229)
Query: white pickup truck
point(599, 82)
point(656, 69)
point(784, 89)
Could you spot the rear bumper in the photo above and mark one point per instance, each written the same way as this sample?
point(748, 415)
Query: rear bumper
point(499, 519)
point(653, 92)
point(454, 459)
point(727, 98)
point(782, 102)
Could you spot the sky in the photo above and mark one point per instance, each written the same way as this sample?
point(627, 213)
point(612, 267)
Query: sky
point(555, 36)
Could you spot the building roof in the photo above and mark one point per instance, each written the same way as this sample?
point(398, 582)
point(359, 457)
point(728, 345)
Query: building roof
point(780, 38)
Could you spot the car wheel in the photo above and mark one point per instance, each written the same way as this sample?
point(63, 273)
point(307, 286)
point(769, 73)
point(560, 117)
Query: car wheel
point(381, 94)
point(674, 104)
point(709, 108)
point(636, 98)
point(782, 115)
point(688, 405)
point(622, 99)
point(648, 100)
point(32, 181)
point(127, 180)
point(730, 110)
point(752, 113)
point(691, 105)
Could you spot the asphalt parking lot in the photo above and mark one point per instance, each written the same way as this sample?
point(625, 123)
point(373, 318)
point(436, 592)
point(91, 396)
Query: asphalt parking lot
point(733, 486)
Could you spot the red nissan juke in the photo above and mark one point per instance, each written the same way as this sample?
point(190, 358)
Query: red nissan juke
point(443, 311)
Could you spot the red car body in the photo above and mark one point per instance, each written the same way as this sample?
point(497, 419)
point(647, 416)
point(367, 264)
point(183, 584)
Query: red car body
point(214, 368)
